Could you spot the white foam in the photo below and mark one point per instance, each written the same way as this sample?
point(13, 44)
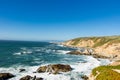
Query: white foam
point(62, 51)
point(19, 53)
point(78, 69)
point(60, 45)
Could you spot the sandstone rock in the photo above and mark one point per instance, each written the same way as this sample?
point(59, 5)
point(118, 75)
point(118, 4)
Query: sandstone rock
point(55, 68)
point(4, 76)
point(115, 63)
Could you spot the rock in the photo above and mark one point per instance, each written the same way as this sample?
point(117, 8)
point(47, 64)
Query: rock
point(42, 69)
point(115, 63)
point(39, 78)
point(21, 70)
point(76, 52)
point(84, 77)
point(84, 51)
point(54, 69)
point(4, 76)
point(100, 56)
point(31, 78)
point(26, 78)
point(34, 78)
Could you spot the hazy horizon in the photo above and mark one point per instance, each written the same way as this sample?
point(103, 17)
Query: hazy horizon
point(36, 20)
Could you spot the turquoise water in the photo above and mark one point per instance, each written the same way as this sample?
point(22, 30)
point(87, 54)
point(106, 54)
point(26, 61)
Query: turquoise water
point(33, 53)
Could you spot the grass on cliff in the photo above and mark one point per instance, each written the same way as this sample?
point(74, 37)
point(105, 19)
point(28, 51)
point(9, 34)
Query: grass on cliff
point(99, 41)
point(106, 73)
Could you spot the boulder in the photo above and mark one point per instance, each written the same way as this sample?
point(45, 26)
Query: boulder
point(54, 69)
point(4, 76)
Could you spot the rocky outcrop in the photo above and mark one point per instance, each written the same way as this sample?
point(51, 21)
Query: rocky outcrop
point(77, 52)
point(81, 51)
point(30, 78)
point(111, 50)
point(4, 76)
point(108, 46)
point(115, 63)
point(54, 69)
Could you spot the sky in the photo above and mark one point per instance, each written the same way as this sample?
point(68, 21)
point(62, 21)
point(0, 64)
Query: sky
point(58, 19)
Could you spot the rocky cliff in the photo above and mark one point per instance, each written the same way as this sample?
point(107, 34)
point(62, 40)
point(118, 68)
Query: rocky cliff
point(107, 45)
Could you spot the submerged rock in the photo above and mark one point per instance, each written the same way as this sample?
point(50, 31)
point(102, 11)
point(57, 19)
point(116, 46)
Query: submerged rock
point(21, 70)
point(4, 76)
point(54, 69)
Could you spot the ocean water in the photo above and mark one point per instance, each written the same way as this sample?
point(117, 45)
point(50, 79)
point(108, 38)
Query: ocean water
point(15, 55)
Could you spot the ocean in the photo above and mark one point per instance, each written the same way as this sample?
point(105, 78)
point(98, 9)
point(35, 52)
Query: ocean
point(30, 55)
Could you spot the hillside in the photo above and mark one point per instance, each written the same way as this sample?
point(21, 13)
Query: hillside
point(108, 72)
point(106, 45)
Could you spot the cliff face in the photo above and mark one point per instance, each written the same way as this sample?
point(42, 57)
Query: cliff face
point(108, 45)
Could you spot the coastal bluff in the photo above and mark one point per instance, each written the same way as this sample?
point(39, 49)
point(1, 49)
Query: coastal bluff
point(108, 46)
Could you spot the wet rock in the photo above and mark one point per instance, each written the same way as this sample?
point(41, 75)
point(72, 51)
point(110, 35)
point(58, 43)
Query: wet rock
point(39, 79)
point(26, 78)
point(31, 78)
point(84, 77)
point(21, 70)
point(42, 69)
point(34, 78)
point(54, 69)
point(4, 76)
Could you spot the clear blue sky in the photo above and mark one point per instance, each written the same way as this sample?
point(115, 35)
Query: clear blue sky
point(58, 19)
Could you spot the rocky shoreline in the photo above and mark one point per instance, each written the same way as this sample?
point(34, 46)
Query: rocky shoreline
point(114, 58)
point(59, 68)
point(91, 52)
point(51, 69)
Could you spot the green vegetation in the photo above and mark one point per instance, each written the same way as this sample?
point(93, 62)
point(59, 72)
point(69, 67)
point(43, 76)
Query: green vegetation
point(99, 41)
point(106, 73)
